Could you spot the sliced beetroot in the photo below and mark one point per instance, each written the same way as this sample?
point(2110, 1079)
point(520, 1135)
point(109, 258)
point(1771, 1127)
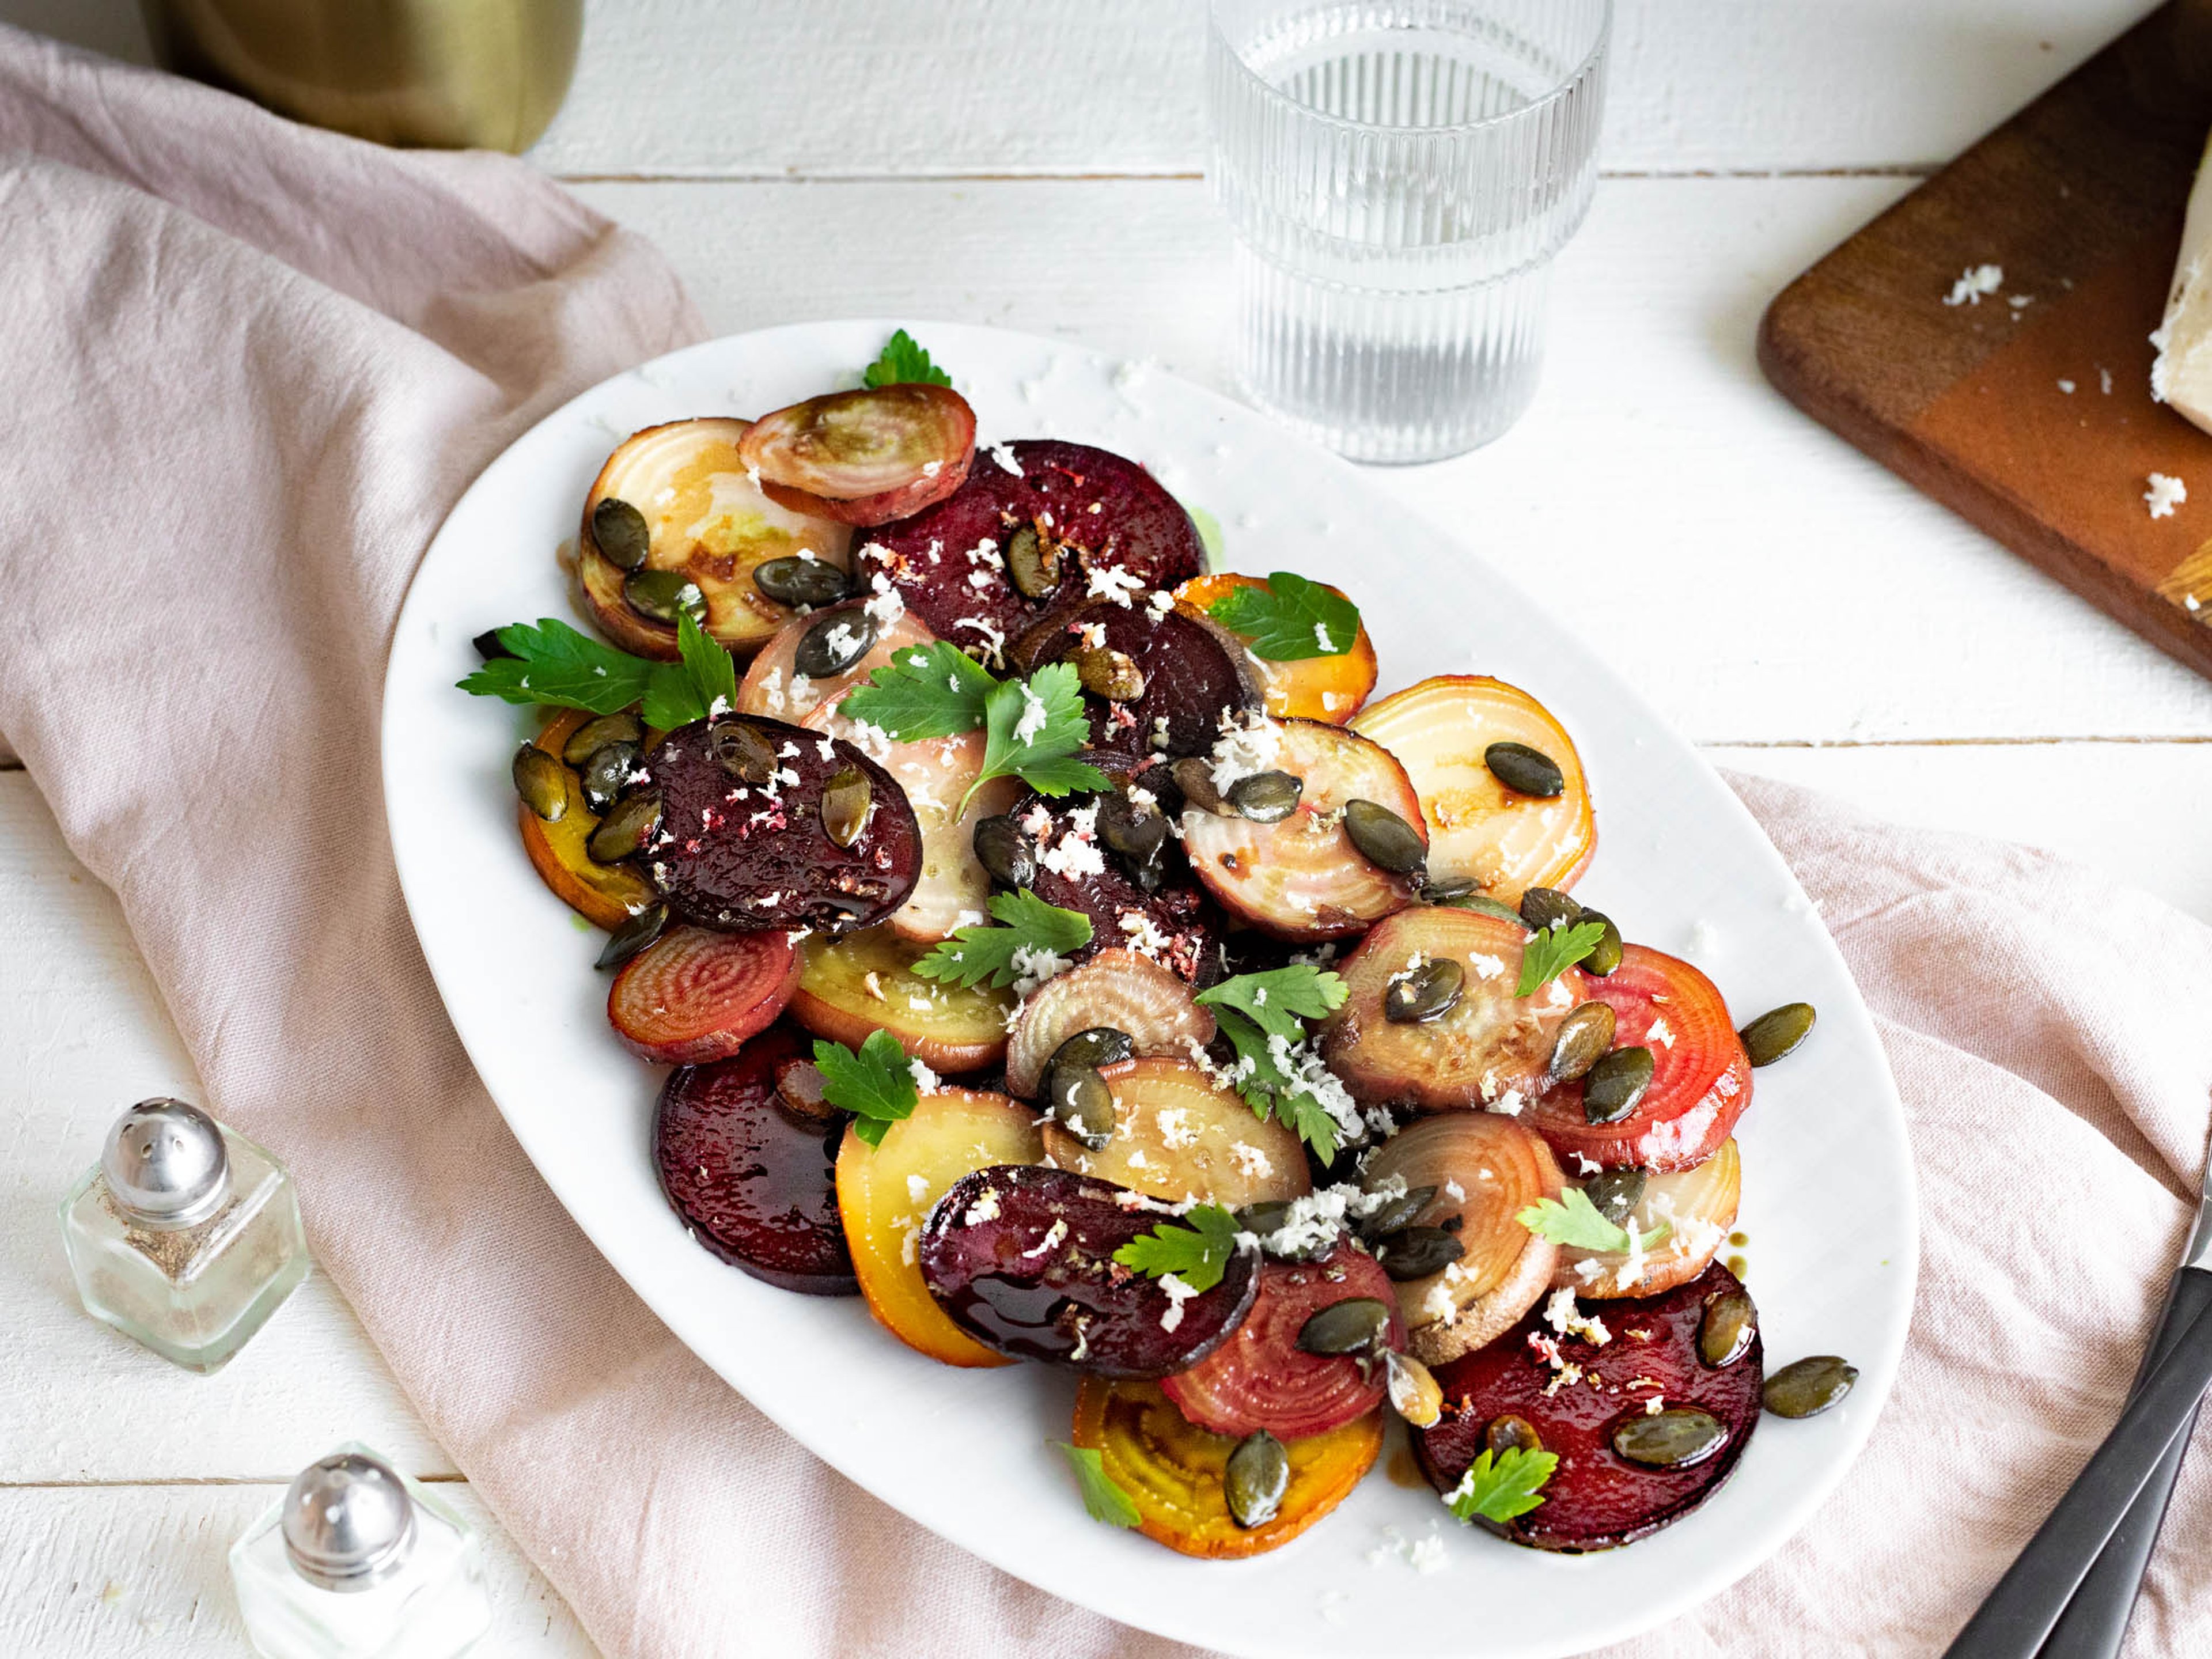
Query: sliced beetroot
point(754, 1182)
point(697, 994)
point(1021, 1257)
point(742, 856)
point(1192, 670)
point(1104, 514)
point(864, 457)
point(1260, 1378)
point(1175, 924)
point(1596, 1498)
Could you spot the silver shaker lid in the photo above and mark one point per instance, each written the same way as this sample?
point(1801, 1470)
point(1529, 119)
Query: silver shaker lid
point(348, 1522)
point(166, 1165)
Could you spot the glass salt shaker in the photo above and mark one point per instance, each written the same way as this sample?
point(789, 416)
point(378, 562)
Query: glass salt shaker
point(185, 1235)
point(359, 1562)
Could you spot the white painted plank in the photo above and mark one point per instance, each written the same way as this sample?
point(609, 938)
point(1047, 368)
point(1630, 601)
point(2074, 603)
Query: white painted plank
point(142, 1573)
point(1759, 578)
point(766, 88)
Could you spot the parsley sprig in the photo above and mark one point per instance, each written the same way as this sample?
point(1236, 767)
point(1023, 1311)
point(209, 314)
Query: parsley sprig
point(1196, 1249)
point(1027, 923)
point(1253, 1009)
point(1571, 1219)
point(554, 664)
point(1551, 950)
point(903, 362)
point(876, 1085)
point(1032, 728)
point(1102, 1499)
point(1497, 1488)
point(1290, 618)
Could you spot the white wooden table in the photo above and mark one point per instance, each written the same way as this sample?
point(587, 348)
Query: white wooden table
point(1035, 163)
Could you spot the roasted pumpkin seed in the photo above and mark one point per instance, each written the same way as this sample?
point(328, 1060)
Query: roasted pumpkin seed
point(1524, 770)
point(1400, 1212)
point(1613, 1193)
point(633, 936)
point(1133, 831)
point(798, 581)
point(1511, 1433)
point(1808, 1387)
point(1585, 1036)
point(1413, 1253)
point(742, 750)
point(604, 773)
point(1256, 1479)
point(541, 781)
point(620, 533)
point(1357, 1325)
point(1033, 563)
point(1096, 1046)
point(1447, 891)
point(1414, 1394)
point(1777, 1032)
point(665, 595)
point(1266, 797)
point(625, 829)
point(1269, 1215)
point(1605, 955)
point(587, 739)
point(833, 644)
point(1545, 907)
point(845, 802)
point(1429, 992)
point(1006, 852)
point(1725, 1331)
point(1481, 903)
point(1384, 839)
point(1194, 776)
point(1611, 1087)
point(1080, 1101)
point(1113, 675)
point(1673, 1439)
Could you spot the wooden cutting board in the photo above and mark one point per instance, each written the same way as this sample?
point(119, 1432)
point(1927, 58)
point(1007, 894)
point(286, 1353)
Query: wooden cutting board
point(2079, 200)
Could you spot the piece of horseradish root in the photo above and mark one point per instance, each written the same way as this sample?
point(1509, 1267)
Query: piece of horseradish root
point(2181, 374)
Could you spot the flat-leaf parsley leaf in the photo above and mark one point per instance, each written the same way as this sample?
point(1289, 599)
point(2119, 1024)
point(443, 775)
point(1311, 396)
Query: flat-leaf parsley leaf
point(1032, 729)
point(1281, 999)
point(934, 691)
point(554, 664)
point(877, 1084)
point(1550, 951)
point(1032, 931)
point(1290, 618)
point(903, 362)
point(1195, 1250)
point(1571, 1219)
point(1498, 1488)
point(1102, 1498)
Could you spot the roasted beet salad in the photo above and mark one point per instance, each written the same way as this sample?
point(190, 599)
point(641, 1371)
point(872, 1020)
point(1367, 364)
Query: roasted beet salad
point(1057, 948)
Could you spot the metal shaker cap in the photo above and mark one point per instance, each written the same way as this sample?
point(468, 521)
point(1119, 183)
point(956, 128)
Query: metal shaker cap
point(166, 1165)
point(349, 1522)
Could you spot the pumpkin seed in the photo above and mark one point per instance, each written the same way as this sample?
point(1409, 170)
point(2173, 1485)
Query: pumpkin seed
point(1413, 1253)
point(620, 533)
point(633, 936)
point(488, 645)
point(587, 739)
point(1613, 1193)
point(1777, 1032)
point(1269, 1215)
point(606, 771)
point(1605, 955)
point(1194, 776)
point(845, 802)
point(1384, 839)
point(1725, 1332)
point(1079, 1100)
point(1809, 1386)
point(1545, 907)
point(1511, 1433)
point(1033, 563)
point(1097, 1046)
point(833, 644)
point(1133, 831)
point(1612, 1086)
point(1004, 851)
point(1357, 1325)
point(541, 781)
point(1585, 1036)
point(799, 1087)
point(798, 581)
point(1446, 889)
point(665, 595)
point(1524, 770)
point(1414, 1394)
point(1266, 797)
point(1399, 1211)
point(1673, 1439)
point(1256, 1479)
point(624, 830)
point(742, 750)
point(1113, 675)
point(1482, 904)
point(1430, 992)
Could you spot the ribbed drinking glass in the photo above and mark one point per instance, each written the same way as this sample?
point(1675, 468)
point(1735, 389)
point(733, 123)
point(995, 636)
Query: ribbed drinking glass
point(1399, 174)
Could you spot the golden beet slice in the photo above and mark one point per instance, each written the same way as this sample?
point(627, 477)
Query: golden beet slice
point(1698, 1206)
point(866, 982)
point(604, 895)
point(1178, 1135)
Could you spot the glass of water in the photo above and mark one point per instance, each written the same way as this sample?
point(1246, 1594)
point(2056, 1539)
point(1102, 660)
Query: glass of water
point(1399, 174)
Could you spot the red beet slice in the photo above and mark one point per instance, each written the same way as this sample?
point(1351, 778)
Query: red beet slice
point(1192, 670)
point(1260, 1378)
point(1597, 1498)
point(1104, 512)
point(1175, 924)
point(697, 994)
point(864, 457)
point(755, 1183)
point(1700, 1080)
point(741, 856)
point(1021, 1257)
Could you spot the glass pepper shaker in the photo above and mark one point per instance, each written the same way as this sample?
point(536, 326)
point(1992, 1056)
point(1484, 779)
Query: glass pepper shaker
point(359, 1562)
point(185, 1235)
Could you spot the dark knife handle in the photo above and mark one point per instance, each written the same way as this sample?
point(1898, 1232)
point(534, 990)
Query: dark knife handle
point(2027, 1600)
point(2096, 1619)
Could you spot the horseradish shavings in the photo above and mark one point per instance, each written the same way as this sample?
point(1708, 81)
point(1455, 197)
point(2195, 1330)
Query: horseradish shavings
point(1564, 1316)
point(1247, 746)
point(885, 606)
point(1177, 1293)
point(1315, 1220)
point(924, 1080)
point(1034, 715)
point(1034, 966)
point(1977, 280)
point(2165, 493)
point(1111, 581)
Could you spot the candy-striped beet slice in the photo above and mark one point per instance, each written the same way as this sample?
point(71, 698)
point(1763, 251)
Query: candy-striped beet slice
point(697, 994)
point(864, 457)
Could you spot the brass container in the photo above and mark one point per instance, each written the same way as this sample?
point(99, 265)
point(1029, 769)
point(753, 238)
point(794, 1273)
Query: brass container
point(443, 74)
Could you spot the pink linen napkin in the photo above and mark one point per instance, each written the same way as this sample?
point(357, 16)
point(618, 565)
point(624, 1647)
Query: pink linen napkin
point(248, 368)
